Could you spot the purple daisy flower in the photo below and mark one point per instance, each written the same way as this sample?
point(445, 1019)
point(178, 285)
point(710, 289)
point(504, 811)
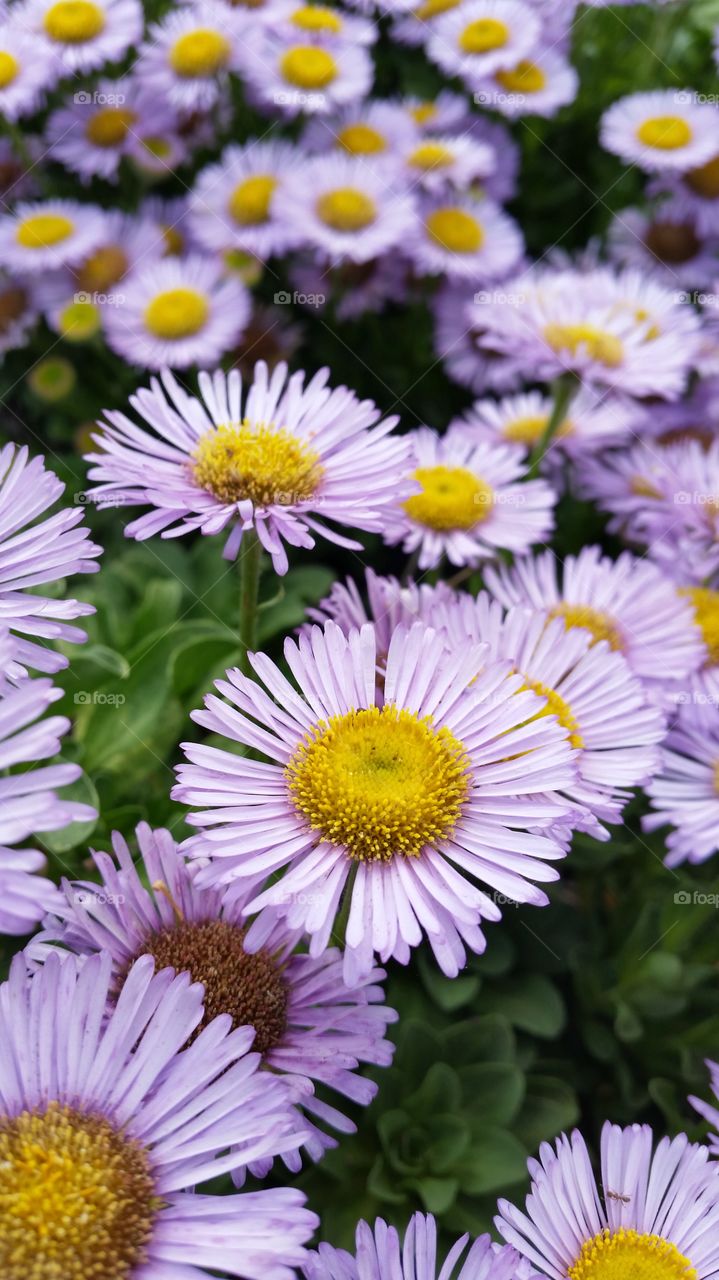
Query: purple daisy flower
point(685, 792)
point(136, 1122)
point(303, 75)
point(398, 795)
point(626, 602)
point(234, 202)
point(289, 453)
point(462, 237)
point(602, 707)
point(344, 208)
point(380, 1256)
point(665, 129)
point(374, 129)
point(177, 312)
point(692, 196)
point(36, 551)
point(618, 330)
point(188, 54)
point(309, 1027)
point(447, 161)
point(538, 85)
point(91, 134)
point(659, 1213)
point(667, 246)
point(521, 420)
point(472, 500)
point(483, 36)
point(49, 234)
point(82, 34)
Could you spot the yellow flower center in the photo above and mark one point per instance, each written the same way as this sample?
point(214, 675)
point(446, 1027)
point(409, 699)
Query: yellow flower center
point(526, 77)
point(431, 155)
point(455, 230)
point(361, 140)
point(529, 430)
point(110, 126)
point(433, 8)
point(483, 35)
point(250, 201)
point(174, 241)
point(177, 313)
point(317, 17)
point(603, 347)
point(74, 21)
point(79, 321)
point(158, 147)
point(665, 133)
point(346, 209)
point(627, 1255)
point(450, 498)
point(102, 269)
point(379, 782)
point(706, 616)
point(9, 67)
point(601, 625)
point(77, 1198)
point(203, 52)
point(642, 487)
point(308, 67)
point(266, 464)
point(556, 706)
point(41, 230)
point(423, 112)
point(704, 181)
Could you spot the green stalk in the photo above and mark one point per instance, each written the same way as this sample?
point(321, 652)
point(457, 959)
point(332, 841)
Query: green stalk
point(250, 571)
point(564, 389)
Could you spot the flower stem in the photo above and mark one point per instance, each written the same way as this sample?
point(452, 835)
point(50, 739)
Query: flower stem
point(250, 571)
point(564, 389)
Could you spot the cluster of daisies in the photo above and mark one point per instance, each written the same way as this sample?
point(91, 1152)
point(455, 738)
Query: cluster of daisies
point(423, 755)
point(342, 198)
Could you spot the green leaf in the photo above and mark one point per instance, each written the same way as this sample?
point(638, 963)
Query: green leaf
point(495, 1160)
point(530, 1002)
point(76, 833)
point(493, 1091)
point(550, 1108)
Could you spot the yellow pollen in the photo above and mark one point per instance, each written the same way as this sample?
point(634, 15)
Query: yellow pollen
point(431, 155)
point(74, 21)
point(665, 133)
point(706, 616)
point(346, 209)
point(433, 8)
point(526, 77)
point(104, 268)
point(642, 487)
point(250, 201)
point(627, 1255)
point(483, 35)
point(605, 348)
point(177, 313)
point(451, 498)
point(110, 126)
point(308, 67)
point(601, 625)
point(529, 430)
point(203, 52)
point(43, 229)
point(266, 464)
point(77, 1198)
point(361, 140)
point(455, 230)
point(423, 112)
point(158, 147)
point(379, 782)
point(317, 17)
point(556, 706)
point(704, 181)
point(9, 67)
